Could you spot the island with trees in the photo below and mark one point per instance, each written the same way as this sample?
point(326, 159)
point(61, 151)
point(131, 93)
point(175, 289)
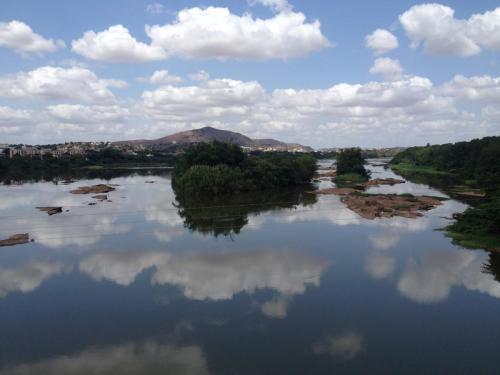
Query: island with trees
point(351, 167)
point(217, 169)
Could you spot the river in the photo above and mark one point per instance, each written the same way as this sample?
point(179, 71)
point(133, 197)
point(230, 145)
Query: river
point(284, 283)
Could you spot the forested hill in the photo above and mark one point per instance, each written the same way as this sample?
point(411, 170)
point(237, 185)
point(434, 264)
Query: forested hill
point(478, 160)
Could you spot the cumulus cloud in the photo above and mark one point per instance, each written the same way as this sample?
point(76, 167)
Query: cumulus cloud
point(379, 266)
point(210, 33)
point(161, 77)
point(201, 75)
point(208, 100)
point(19, 37)
point(27, 277)
point(81, 114)
point(215, 276)
point(55, 83)
point(435, 27)
point(10, 116)
point(155, 8)
point(381, 41)
point(217, 33)
point(276, 5)
point(342, 347)
point(115, 45)
point(409, 107)
point(482, 89)
point(431, 280)
point(126, 359)
point(388, 68)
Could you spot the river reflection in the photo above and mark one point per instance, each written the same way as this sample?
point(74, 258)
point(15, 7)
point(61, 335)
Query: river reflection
point(147, 284)
point(227, 216)
point(130, 358)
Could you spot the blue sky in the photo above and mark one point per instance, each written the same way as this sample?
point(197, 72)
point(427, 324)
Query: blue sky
point(298, 71)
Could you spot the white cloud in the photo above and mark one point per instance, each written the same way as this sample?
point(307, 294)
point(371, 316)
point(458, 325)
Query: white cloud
point(11, 116)
point(379, 266)
point(485, 29)
point(388, 68)
point(161, 77)
point(201, 75)
point(127, 358)
point(155, 8)
point(343, 347)
point(121, 267)
point(431, 280)
point(484, 89)
point(381, 41)
point(408, 107)
point(217, 33)
point(81, 114)
point(20, 37)
point(209, 100)
point(58, 83)
point(435, 26)
point(27, 277)
point(115, 45)
point(216, 276)
point(276, 5)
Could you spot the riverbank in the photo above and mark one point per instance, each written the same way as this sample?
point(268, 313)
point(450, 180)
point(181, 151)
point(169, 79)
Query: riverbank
point(468, 172)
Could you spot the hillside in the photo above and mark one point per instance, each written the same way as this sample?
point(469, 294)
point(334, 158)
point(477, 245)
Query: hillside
point(209, 134)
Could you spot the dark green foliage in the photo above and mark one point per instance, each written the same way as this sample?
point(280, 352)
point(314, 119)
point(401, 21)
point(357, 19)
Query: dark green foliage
point(49, 168)
point(350, 161)
point(482, 219)
point(227, 215)
point(478, 159)
point(218, 168)
point(476, 164)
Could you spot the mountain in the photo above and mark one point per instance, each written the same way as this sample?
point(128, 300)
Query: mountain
point(209, 134)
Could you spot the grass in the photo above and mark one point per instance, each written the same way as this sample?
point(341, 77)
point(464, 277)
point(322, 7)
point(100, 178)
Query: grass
point(350, 178)
point(408, 167)
point(475, 241)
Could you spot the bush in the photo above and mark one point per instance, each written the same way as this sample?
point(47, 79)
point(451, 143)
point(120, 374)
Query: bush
point(350, 161)
point(218, 168)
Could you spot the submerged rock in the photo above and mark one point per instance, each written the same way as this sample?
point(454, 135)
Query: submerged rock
point(373, 206)
point(51, 210)
point(101, 197)
point(384, 181)
point(95, 189)
point(335, 191)
point(16, 239)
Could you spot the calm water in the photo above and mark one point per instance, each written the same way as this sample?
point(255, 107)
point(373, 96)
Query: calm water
point(144, 284)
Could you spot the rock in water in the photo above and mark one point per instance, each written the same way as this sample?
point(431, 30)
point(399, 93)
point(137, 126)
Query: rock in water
point(16, 239)
point(95, 189)
point(51, 210)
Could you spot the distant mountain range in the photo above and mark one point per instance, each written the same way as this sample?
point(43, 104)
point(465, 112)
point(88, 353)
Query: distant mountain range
point(209, 134)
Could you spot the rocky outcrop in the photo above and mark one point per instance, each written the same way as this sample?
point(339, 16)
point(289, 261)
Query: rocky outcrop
point(335, 191)
point(95, 189)
point(384, 181)
point(16, 239)
point(51, 210)
point(371, 206)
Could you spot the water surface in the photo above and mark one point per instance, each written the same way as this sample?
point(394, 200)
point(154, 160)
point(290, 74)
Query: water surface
point(147, 284)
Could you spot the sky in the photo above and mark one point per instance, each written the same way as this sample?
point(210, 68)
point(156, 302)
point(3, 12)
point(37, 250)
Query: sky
point(322, 73)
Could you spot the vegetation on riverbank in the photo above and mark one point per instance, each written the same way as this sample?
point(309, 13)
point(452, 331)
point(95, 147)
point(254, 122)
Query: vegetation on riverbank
point(475, 165)
point(215, 169)
point(27, 168)
point(351, 167)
